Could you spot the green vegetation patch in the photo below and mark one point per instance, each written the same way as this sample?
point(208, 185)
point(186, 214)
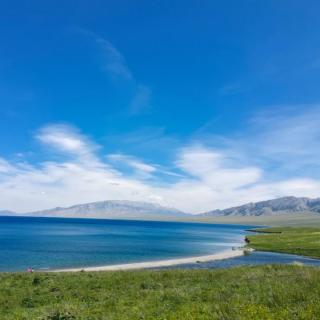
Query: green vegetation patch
point(302, 241)
point(259, 292)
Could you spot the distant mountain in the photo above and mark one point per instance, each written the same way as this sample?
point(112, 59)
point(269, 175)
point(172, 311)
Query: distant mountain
point(7, 213)
point(285, 205)
point(124, 209)
point(113, 209)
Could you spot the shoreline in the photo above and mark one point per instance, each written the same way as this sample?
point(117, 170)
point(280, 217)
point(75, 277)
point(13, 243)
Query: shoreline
point(160, 263)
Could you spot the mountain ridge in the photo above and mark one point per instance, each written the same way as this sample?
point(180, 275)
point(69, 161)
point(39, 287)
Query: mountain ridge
point(283, 205)
point(111, 209)
point(126, 209)
point(7, 213)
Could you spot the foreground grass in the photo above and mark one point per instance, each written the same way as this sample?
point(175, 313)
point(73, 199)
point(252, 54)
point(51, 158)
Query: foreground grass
point(302, 241)
point(263, 292)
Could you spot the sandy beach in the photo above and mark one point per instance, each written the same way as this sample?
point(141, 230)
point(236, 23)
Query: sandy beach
point(161, 263)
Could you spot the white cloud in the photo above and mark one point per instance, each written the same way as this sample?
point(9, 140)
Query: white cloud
point(287, 133)
point(283, 140)
point(69, 142)
point(5, 166)
point(133, 162)
point(65, 138)
point(201, 178)
point(209, 166)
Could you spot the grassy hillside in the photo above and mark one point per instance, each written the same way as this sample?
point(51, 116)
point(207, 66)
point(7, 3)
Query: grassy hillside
point(287, 292)
point(303, 241)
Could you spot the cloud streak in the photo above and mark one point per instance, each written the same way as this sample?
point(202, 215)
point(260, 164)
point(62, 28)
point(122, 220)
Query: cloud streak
point(141, 100)
point(115, 64)
point(291, 133)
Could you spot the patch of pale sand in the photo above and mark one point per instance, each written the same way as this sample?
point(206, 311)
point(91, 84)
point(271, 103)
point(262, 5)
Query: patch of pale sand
point(162, 263)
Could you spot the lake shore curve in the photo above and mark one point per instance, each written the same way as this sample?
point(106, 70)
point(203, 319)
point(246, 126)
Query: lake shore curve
point(160, 263)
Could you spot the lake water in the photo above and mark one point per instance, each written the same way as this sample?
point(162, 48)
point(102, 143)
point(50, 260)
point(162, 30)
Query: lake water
point(254, 258)
point(51, 243)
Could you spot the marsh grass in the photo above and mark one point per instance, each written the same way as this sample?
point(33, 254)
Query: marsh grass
point(302, 241)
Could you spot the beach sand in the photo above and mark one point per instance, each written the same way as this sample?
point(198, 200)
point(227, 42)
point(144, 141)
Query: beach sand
point(162, 263)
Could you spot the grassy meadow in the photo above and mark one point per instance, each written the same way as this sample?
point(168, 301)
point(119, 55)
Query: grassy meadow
point(259, 292)
point(302, 241)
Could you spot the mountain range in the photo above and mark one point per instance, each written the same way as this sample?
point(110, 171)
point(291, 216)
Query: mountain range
point(113, 209)
point(124, 209)
point(285, 205)
point(7, 213)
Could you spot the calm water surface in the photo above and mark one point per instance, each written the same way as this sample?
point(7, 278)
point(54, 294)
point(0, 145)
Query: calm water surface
point(255, 258)
point(51, 243)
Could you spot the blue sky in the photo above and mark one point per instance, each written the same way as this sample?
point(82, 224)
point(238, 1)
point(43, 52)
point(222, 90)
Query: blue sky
point(196, 105)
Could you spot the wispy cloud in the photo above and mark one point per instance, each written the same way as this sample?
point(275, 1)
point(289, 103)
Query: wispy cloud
point(114, 61)
point(284, 140)
point(65, 138)
point(141, 100)
point(69, 141)
point(291, 132)
point(5, 166)
point(115, 64)
point(210, 167)
point(140, 167)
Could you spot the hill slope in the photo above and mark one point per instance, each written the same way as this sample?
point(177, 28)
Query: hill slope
point(116, 209)
point(285, 205)
point(124, 209)
point(7, 213)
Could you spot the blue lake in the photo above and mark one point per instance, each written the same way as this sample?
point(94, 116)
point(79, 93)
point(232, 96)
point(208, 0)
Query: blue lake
point(254, 258)
point(53, 243)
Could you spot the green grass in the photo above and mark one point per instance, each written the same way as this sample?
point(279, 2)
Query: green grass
point(302, 241)
point(263, 292)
